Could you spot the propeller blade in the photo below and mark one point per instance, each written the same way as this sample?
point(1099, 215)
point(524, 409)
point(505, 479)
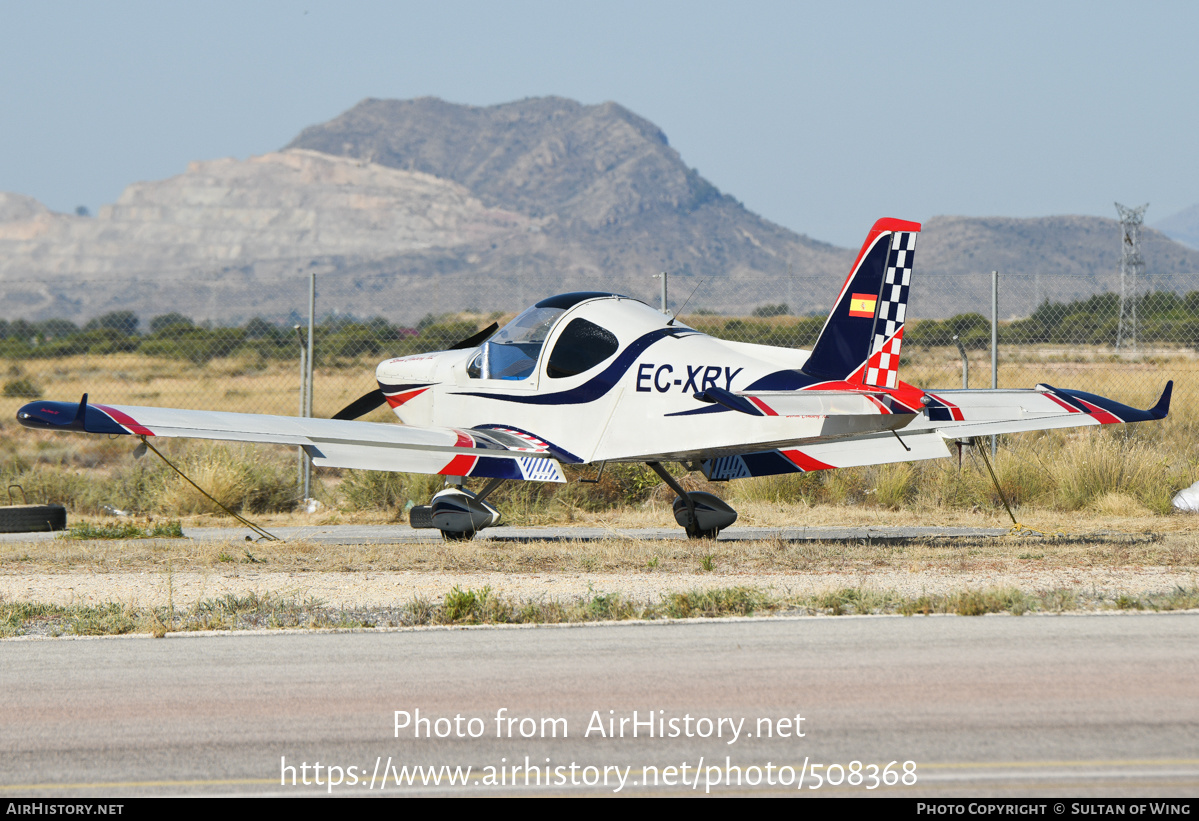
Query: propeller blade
point(477, 339)
point(362, 405)
point(368, 402)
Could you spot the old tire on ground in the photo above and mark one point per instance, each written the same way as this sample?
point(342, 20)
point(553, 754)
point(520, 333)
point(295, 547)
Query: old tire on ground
point(32, 518)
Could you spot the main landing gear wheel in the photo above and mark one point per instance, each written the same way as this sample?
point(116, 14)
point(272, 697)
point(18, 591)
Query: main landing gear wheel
point(701, 514)
point(712, 515)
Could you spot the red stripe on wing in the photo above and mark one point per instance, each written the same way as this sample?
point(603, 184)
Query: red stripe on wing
point(955, 412)
point(459, 466)
point(126, 420)
point(766, 409)
point(1065, 405)
point(1104, 417)
point(805, 462)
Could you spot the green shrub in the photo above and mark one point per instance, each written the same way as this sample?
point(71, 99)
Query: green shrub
point(22, 388)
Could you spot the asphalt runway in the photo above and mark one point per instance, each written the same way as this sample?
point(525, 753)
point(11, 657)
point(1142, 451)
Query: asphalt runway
point(988, 706)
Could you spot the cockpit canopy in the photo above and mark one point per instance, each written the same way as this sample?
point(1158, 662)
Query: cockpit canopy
point(513, 351)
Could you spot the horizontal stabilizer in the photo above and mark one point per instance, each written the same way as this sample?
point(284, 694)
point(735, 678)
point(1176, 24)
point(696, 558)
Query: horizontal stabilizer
point(805, 403)
point(829, 403)
point(730, 400)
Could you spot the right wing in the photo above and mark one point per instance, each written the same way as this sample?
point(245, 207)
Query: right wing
point(330, 442)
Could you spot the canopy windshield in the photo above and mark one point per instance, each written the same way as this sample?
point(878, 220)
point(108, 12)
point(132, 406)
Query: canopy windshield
point(512, 353)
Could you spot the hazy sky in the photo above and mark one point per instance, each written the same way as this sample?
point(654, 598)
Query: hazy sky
point(819, 116)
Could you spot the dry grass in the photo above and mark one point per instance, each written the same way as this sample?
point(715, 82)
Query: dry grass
point(484, 606)
point(245, 384)
point(90, 473)
point(1101, 542)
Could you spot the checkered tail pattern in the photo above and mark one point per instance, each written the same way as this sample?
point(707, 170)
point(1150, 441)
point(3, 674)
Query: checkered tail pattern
point(882, 368)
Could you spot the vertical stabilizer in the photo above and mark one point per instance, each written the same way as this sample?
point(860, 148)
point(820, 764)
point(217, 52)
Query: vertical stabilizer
point(861, 339)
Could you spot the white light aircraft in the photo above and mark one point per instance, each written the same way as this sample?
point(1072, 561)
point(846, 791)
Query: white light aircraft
point(592, 378)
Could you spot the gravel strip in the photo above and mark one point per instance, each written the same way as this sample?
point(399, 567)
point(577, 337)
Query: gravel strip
point(377, 589)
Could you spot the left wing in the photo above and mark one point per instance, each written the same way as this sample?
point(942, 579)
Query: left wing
point(330, 442)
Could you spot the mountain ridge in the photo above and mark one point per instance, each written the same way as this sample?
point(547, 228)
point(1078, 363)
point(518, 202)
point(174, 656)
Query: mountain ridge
point(405, 207)
point(1182, 227)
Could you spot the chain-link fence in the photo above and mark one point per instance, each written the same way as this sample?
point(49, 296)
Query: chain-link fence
point(1053, 330)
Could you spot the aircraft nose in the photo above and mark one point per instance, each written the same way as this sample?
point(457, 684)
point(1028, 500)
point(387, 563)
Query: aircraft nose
point(406, 370)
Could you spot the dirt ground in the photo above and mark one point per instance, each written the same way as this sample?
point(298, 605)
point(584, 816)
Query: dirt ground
point(1091, 556)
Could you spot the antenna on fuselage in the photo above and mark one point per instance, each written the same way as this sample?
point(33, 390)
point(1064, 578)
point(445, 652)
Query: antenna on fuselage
point(685, 304)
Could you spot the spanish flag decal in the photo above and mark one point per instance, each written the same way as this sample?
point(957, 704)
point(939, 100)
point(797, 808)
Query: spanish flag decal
point(862, 305)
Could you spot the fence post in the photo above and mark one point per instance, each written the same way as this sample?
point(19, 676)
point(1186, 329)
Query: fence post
point(663, 277)
point(994, 342)
point(965, 363)
point(301, 466)
point(308, 393)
